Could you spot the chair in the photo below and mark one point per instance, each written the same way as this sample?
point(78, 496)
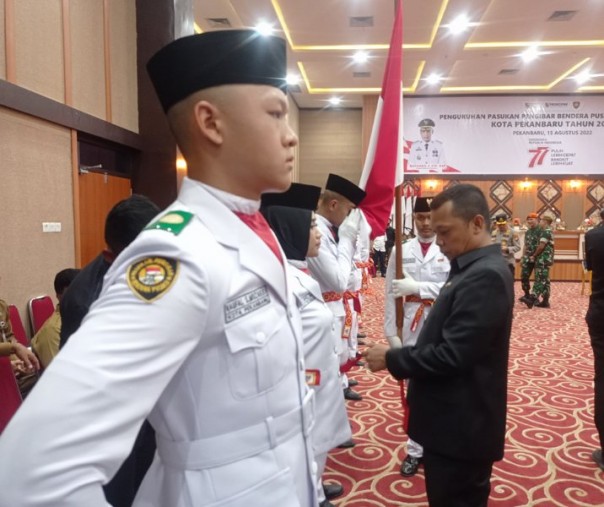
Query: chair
point(9, 393)
point(17, 325)
point(40, 308)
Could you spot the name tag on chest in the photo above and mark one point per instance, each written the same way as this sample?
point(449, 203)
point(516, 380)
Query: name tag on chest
point(247, 303)
point(304, 300)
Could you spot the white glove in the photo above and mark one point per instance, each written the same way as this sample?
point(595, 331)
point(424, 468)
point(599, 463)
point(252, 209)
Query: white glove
point(349, 228)
point(395, 342)
point(404, 286)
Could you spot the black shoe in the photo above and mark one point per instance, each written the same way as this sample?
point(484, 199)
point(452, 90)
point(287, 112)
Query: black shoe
point(349, 444)
point(410, 465)
point(352, 382)
point(333, 490)
point(361, 335)
point(524, 298)
point(360, 363)
point(351, 395)
point(597, 457)
point(361, 342)
point(531, 300)
point(543, 304)
point(326, 503)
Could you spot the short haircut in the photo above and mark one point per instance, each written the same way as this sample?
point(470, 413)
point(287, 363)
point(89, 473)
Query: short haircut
point(330, 195)
point(64, 278)
point(467, 201)
point(126, 220)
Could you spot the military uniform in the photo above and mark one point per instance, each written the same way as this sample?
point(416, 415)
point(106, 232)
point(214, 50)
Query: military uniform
point(543, 264)
point(531, 242)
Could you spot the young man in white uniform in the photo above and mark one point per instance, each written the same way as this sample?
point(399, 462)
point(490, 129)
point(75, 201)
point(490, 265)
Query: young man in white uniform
point(339, 223)
point(426, 270)
point(196, 327)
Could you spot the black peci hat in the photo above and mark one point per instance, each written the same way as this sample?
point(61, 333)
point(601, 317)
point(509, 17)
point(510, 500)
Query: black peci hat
point(210, 59)
point(422, 204)
point(299, 195)
point(345, 188)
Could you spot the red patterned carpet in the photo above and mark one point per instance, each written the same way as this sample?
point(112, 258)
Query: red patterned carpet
point(550, 433)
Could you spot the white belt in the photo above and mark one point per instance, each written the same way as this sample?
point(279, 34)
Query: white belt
point(237, 445)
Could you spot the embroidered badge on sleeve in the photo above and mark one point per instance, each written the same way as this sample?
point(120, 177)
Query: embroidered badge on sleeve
point(152, 277)
point(173, 221)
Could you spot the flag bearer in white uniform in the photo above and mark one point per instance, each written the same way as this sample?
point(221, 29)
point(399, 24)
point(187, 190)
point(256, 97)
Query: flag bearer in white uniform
point(292, 218)
point(356, 282)
point(196, 327)
point(339, 223)
point(426, 270)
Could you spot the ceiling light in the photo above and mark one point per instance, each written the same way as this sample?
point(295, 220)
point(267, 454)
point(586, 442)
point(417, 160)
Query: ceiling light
point(292, 79)
point(360, 57)
point(459, 24)
point(583, 77)
point(433, 79)
point(335, 101)
point(530, 53)
point(264, 28)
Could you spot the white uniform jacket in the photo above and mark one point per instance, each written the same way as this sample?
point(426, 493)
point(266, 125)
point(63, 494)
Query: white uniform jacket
point(430, 271)
point(322, 367)
point(331, 269)
point(361, 254)
point(427, 153)
point(215, 362)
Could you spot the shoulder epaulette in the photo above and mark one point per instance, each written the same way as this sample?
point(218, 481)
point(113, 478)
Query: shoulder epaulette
point(174, 221)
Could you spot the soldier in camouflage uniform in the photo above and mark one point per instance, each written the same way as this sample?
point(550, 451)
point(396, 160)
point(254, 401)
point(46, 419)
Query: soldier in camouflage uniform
point(544, 258)
point(527, 263)
point(508, 239)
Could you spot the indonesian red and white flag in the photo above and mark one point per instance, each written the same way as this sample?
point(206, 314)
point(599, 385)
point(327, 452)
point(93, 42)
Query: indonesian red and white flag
point(383, 169)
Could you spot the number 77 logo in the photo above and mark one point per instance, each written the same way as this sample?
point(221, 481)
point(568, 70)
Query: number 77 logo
point(539, 155)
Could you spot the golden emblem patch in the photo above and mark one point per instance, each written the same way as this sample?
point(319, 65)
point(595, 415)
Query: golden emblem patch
point(152, 277)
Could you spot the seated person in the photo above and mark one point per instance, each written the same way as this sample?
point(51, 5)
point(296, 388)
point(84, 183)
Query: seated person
point(22, 358)
point(45, 343)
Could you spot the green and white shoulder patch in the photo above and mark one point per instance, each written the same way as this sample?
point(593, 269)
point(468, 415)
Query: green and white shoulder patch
point(173, 221)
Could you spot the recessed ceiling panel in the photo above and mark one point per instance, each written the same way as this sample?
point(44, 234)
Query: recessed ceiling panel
point(527, 20)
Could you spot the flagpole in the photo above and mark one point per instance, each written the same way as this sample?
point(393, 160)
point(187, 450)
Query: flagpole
point(398, 259)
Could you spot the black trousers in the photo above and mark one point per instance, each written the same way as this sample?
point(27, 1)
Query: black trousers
point(456, 483)
point(379, 259)
point(597, 345)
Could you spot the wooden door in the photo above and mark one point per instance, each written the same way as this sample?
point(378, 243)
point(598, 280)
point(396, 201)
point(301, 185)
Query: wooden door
point(98, 193)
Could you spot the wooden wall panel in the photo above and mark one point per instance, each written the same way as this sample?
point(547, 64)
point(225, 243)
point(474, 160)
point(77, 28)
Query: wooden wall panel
point(573, 206)
point(87, 54)
point(369, 108)
point(98, 193)
point(36, 188)
point(330, 143)
point(122, 48)
point(39, 47)
point(2, 42)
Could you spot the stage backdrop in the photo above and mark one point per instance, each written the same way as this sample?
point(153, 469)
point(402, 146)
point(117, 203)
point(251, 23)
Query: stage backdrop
point(520, 135)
